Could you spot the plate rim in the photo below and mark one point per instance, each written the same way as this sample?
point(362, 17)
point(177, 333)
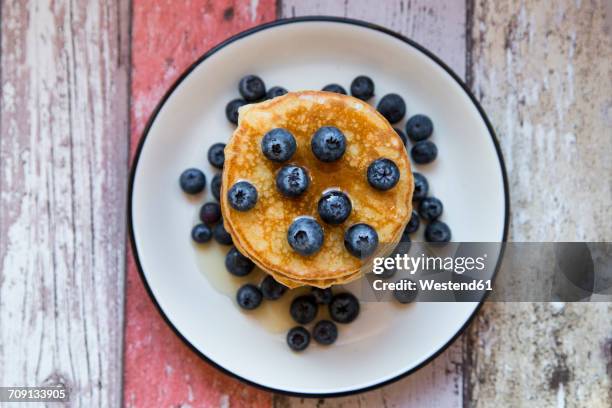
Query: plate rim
point(185, 74)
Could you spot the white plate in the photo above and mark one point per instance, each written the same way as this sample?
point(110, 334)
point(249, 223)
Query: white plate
point(386, 341)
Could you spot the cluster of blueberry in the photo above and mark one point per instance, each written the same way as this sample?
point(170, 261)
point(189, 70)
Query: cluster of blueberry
point(430, 210)
point(193, 181)
point(392, 106)
point(305, 235)
point(343, 308)
point(419, 129)
point(252, 89)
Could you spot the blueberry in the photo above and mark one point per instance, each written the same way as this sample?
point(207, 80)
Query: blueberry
point(328, 144)
point(215, 186)
point(421, 187)
point(201, 233)
point(216, 155)
point(392, 107)
point(402, 135)
point(248, 297)
point(210, 213)
point(406, 295)
point(304, 309)
point(231, 109)
point(334, 207)
point(292, 181)
point(278, 145)
point(325, 332)
point(419, 127)
point(305, 236)
point(424, 152)
point(298, 338)
point(322, 296)
point(430, 208)
point(221, 235)
point(437, 231)
point(252, 88)
point(403, 247)
point(238, 264)
point(413, 224)
point(405, 236)
point(361, 240)
point(344, 308)
point(387, 272)
point(334, 88)
point(192, 181)
point(242, 196)
point(383, 174)
point(275, 91)
point(271, 289)
point(362, 87)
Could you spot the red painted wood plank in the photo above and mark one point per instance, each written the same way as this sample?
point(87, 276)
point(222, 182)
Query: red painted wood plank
point(167, 36)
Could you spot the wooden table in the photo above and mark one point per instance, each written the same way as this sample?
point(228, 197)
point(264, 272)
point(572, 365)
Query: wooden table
point(79, 80)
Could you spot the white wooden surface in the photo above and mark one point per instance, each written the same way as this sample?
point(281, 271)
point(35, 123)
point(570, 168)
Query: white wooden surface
point(63, 172)
point(543, 72)
point(439, 26)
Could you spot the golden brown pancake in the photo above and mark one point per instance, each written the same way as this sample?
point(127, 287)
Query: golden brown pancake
point(261, 233)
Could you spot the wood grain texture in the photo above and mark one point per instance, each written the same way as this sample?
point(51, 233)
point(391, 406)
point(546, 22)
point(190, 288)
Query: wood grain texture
point(439, 26)
point(167, 36)
point(544, 76)
point(63, 173)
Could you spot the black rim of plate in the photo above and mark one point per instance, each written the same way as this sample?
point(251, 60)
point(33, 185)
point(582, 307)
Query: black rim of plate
point(235, 38)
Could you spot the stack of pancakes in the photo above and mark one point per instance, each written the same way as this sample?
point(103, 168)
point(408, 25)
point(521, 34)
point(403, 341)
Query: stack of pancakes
point(261, 233)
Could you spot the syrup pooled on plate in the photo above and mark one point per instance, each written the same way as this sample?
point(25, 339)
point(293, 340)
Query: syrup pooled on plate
point(272, 315)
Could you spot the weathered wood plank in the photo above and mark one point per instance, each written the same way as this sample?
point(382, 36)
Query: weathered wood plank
point(167, 37)
point(63, 172)
point(439, 26)
point(543, 74)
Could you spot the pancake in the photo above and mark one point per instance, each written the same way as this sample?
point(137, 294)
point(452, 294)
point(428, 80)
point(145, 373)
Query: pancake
point(292, 283)
point(261, 232)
